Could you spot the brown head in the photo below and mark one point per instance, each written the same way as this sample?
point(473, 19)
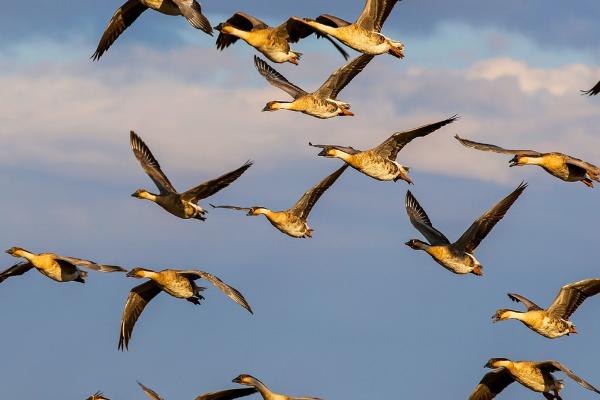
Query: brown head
point(416, 244)
point(272, 106)
point(255, 211)
point(245, 379)
point(138, 272)
point(140, 194)
point(497, 362)
point(14, 251)
point(501, 315)
point(516, 161)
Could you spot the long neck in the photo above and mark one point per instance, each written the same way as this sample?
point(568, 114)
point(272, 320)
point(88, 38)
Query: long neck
point(147, 274)
point(231, 30)
point(262, 388)
point(148, 196)
point(283, 105)
point(263, 211)
point(512, 314)
point(341, 155)
point(24, 253)
point(531, 160)
point(322, 27)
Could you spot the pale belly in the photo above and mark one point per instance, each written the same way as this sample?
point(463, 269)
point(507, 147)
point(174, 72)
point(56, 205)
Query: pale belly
point(182, 289)
point(365, 42)
point(293, 226)
point(54, 271)
point(379, 171)
point(453, 263)
point(550, 328)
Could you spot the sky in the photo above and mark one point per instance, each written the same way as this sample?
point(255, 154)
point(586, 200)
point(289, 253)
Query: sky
point(350, 314)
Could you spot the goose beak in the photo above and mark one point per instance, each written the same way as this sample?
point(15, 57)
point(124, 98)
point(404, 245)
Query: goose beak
point(294, 61)
point(572, 329)
point(346, 113)
point(236, 380)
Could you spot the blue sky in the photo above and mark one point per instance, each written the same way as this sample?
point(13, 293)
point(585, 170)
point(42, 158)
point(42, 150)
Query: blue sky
point(352, 313)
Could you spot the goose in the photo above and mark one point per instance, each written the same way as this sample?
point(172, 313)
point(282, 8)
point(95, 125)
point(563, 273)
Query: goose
point(265, 392)
point(292, 221)
point(457, 257)
point(97, 396)
point(552, 322)
point(183, 205)
point(58, 268)
point(273, 43)
point(593, 91)
point(364, 35)
point(322, 103)
point(132, 9)
point(177, 283)
point(562, 166)
point(380, 162)
point(221, 395)
point(536, 376)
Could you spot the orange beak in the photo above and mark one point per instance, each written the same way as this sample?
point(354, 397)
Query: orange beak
point(294, 61)
point(346, 113)
point(572, 329)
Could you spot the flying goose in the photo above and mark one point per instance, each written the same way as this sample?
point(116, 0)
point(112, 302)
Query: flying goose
point(593, 91)
point(97, 396)
point(554, 321)
point(221, 395)
point(536, 376)
point(364, 35)
point(322, 103)
point(457, 257)
point(132, 9)
point(183, 205)
point(273, 43)
point(55, 267)
point(380, 162)
point(292, 221)
point(177, 283)
point(265, 392)
point(560, 165)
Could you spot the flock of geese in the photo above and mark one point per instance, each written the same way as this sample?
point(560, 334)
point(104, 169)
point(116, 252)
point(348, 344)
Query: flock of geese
point(380, 163)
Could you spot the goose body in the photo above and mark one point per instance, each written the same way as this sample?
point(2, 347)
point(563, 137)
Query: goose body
point(534, 375)
point(457, 257)
point(125, 15)
point(321, 103)
point(177, 283)
point(183, 205)
point(293, 221)
point(56, 267)
point(559, 165)
point(364, 35)
point(552, 322)
point(380, 162)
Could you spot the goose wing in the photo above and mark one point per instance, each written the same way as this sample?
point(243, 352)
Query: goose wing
point(121, 20)
point(553, 366)
point(192, 11)
point(419, 219)
point(296, 29)
point(332, 20)
point(342, 77)
point(571, 296)
point(150, 165)
point(469, 241)
point(531, 306)
point(90, 264)
point(211, 187)
point(492, 383)
point(276, 79)
point(97, 396)
point(233, 208)
point(231, 292)
point(591, 169)
point(15, 270)
point(149, 392)
point(375, 13)
point(241, 21)
point(593, 91)
point(227, 394)
point(345, 149)
point(303, 206)
point(137, 300)
point(390, 148)
point(494, 148)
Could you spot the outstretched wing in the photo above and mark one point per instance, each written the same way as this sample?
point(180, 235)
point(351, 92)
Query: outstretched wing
point(345, 149)
point(390, 148)
point(571, 296)
point(494, 148)
point(231, 292)
point(419, 219)
point(233, 207)
point(149, 392)
point(137, 300)
point(590, 169)
point(149, 164)
point(227, 394)
point(241, 21)
point(121, 19)
point(211, 187)
point(192, 11)
point(296, 29)
point(593, 91)
point(15, 270)
point(469, 241)
point(276, 79)
point(375, 13)
point(531, 306)
point(342, 77)
point(492, 383)
point(303, 206)
point(90, 264)
point(553, 366)
point(97, 396)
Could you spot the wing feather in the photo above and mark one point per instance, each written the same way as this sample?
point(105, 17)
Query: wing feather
point(276, 79)
point(553, 366)
point(375, 13)
point(303, 207)
point(494, 148)
point(15, 270)
point(230, 291)
point(571, 296)
point(593, 91)
point(192, 11)
point(419, 219)
point(150, 165)
point(531, 306)
point(137, 300)
point(342, 77)
point(90, 264)
point(492, 383)
point(227, 394)
point(211, 187)
point(149, 392)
